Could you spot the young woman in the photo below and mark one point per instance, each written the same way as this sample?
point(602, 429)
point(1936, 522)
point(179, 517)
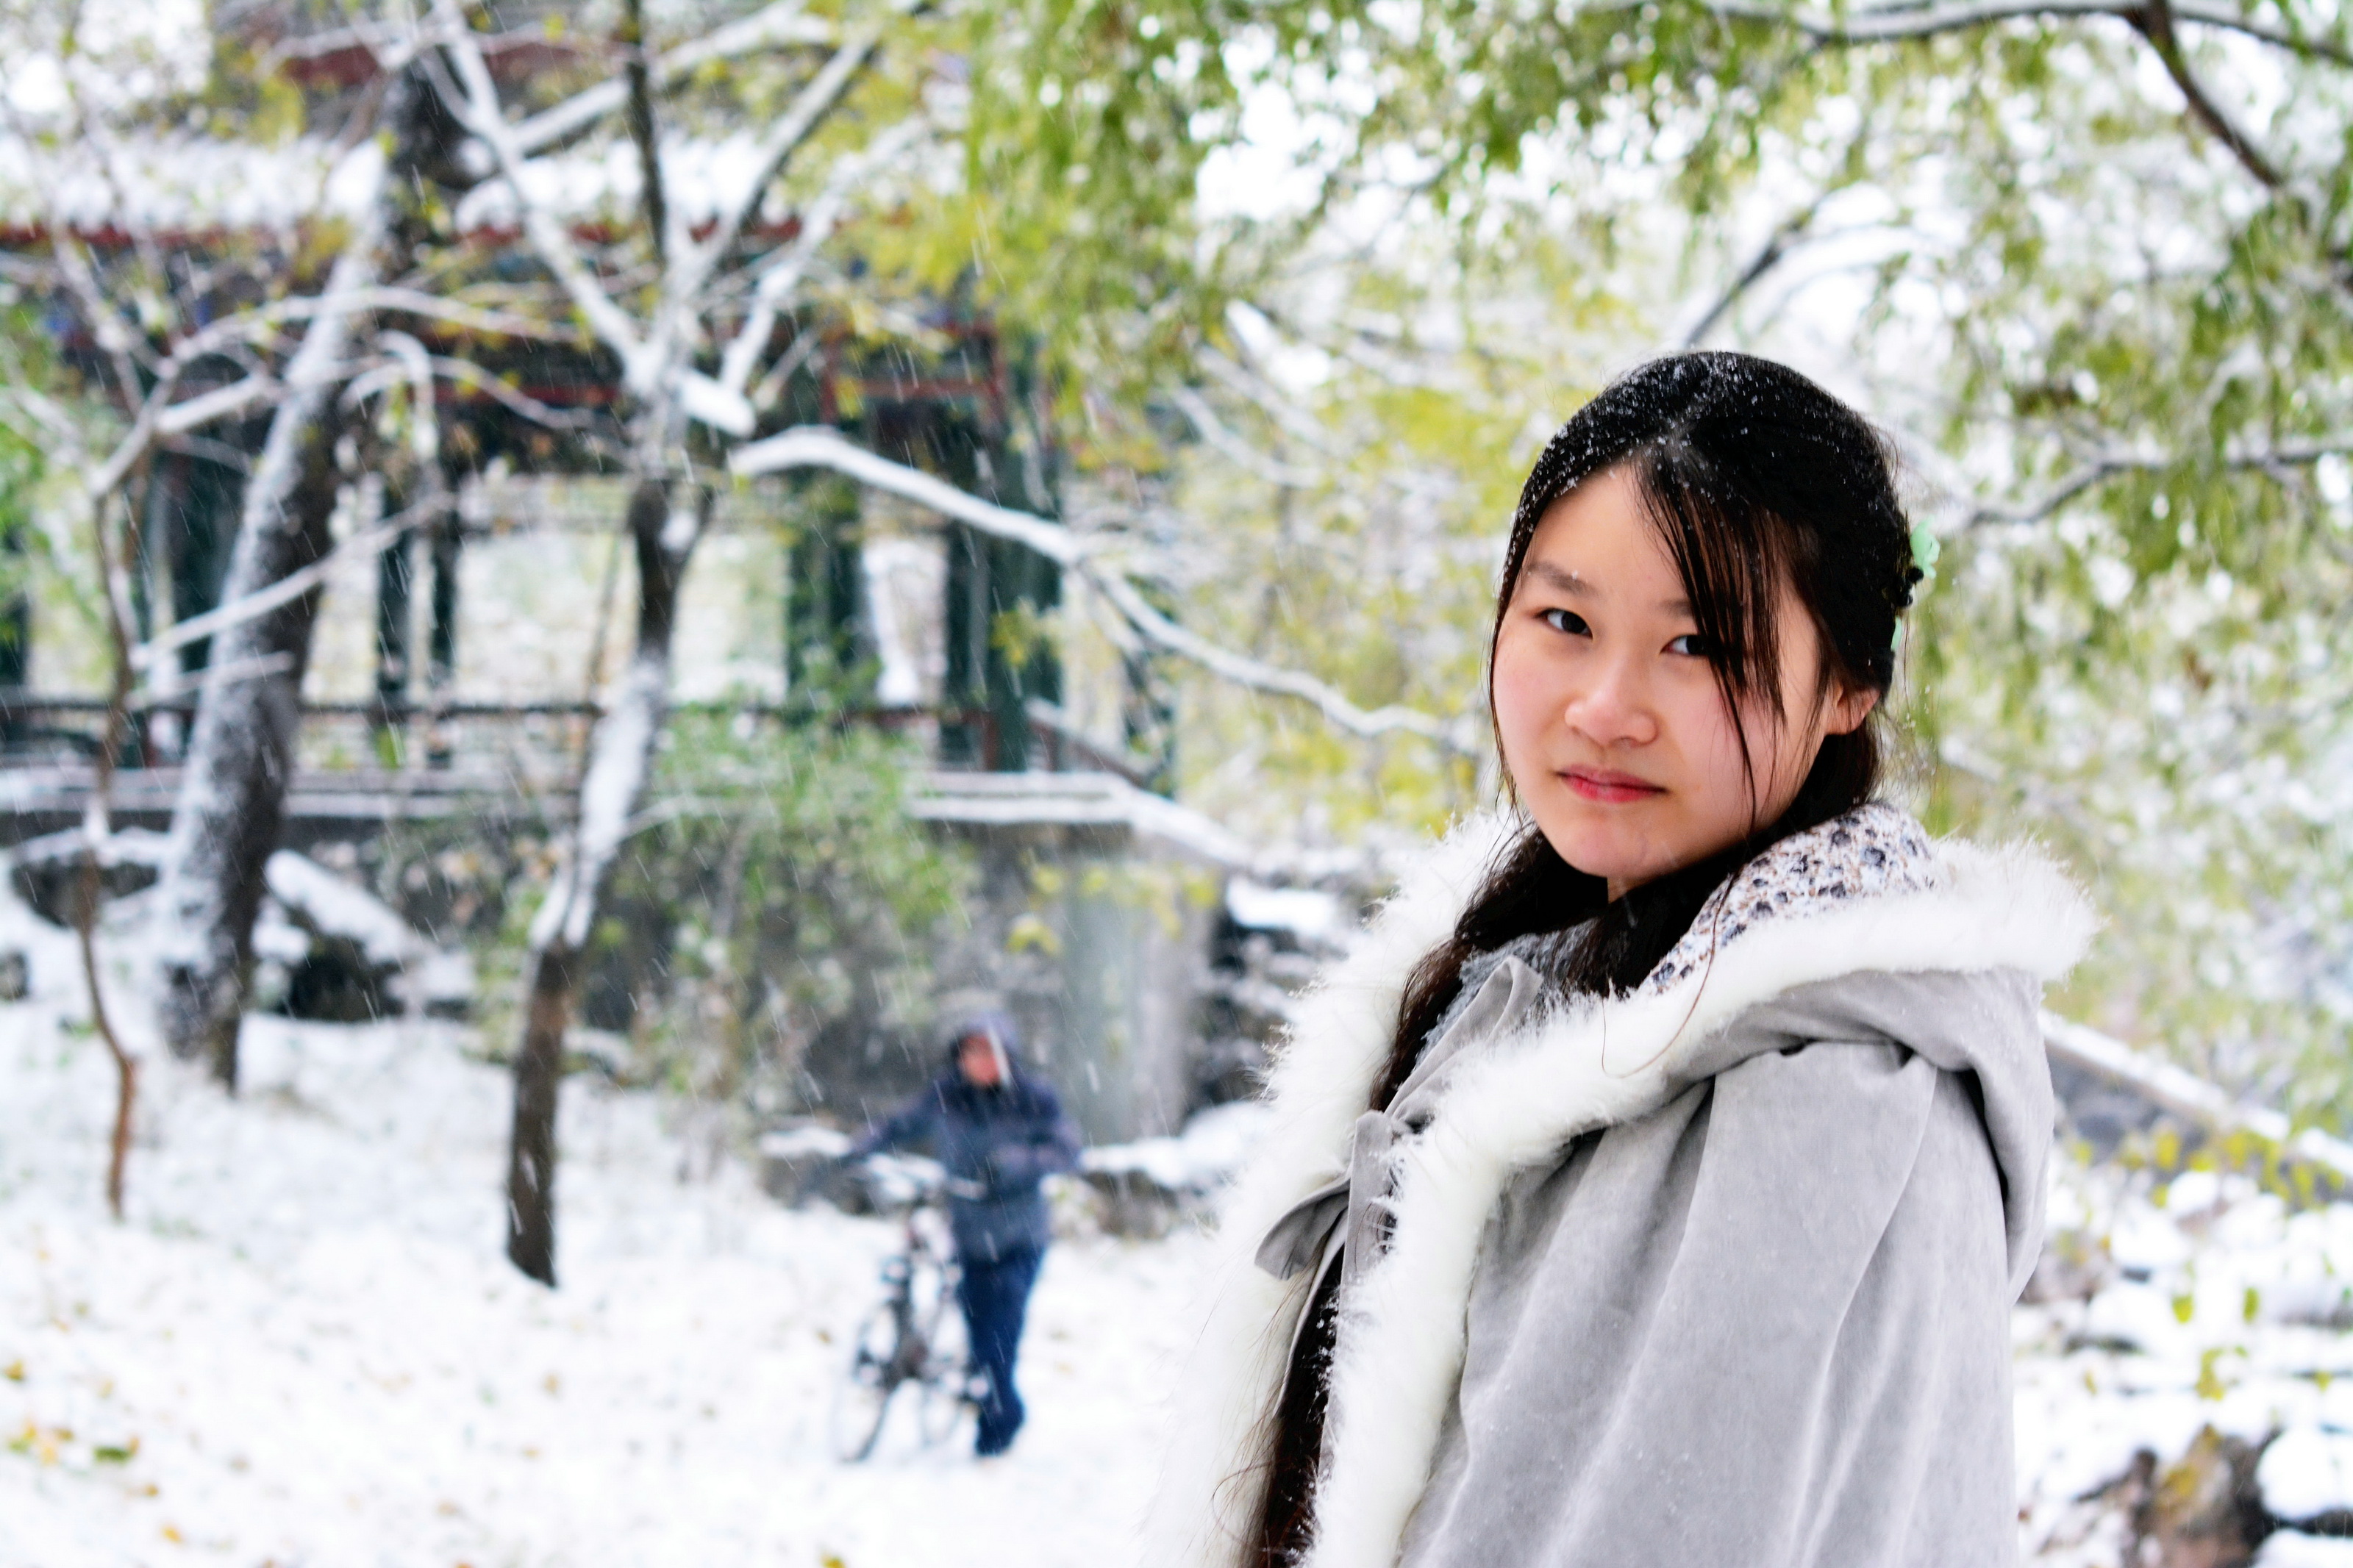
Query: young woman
point(1652, 1183)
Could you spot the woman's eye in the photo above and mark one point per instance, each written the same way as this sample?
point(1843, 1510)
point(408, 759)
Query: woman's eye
point(1567, 621)
point(1691, 645)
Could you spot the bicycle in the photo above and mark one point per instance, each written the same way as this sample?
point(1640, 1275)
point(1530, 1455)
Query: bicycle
point(916, 1335)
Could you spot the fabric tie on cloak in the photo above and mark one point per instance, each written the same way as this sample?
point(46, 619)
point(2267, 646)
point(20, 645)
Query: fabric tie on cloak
point(1351, 1215)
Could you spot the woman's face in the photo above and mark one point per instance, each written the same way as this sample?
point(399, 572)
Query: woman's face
point(1612, 725)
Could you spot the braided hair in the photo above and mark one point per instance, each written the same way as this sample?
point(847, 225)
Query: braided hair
point(1754, 478)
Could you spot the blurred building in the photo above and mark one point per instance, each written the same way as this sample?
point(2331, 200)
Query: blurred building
point(453, 673)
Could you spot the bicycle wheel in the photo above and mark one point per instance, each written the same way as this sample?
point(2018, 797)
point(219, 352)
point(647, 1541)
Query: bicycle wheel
point(947, 1403)
point(862, 1398)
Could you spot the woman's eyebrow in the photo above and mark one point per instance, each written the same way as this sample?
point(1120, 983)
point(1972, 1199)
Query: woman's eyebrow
point(1567, 582)
point(1562, 579)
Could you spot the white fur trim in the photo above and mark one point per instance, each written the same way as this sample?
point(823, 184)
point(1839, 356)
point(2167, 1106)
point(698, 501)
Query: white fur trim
point(1207, 1504)
point(1400, 1350)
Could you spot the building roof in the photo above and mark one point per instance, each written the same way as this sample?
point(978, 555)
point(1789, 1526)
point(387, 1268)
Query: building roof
point(188, 187)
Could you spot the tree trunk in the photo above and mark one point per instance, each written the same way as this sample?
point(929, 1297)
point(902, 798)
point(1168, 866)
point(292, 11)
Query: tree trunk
point(538, 1074)
point(240, 755)
point(620, 756)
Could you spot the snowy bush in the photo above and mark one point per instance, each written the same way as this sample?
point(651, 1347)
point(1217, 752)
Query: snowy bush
point(779, 893)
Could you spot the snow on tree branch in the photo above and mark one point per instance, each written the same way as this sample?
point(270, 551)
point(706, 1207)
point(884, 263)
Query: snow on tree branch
point(1898, 23)
point(221, 402)
point(410, 303)
point(782, 274)
point(776, 148)
point(1787, 235)
point(621, 753)
point(476, 104)
point(249, 607)
point(780, 24)
point(651, 364)
point(1204, 419)
point(2099, 470)
point(818, 447)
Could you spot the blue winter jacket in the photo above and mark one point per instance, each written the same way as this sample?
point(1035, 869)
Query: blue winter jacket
point(1001, 1141)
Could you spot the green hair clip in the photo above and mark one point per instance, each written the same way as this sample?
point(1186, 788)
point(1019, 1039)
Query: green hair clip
point(1926, 548)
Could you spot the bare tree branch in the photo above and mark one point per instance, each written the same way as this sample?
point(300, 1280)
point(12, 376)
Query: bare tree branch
point(147, 429)
point(639, 79)
point(123, 347)
point(2099, 470)
point(2058, 496)
point(468, 373)
point(779, 24)
point(226, 333)
point(783, 272)
point(1775, 248)
point(1293, 420)
point(476, 106)
point(377, 37)
point(2193, 1098)
point(221, 402)
point(1204, 419)
point(649, 363)
point(97, 828)
point(94, 134)
point(771, 387)
point(291, 587)
point(1894, 23)
point(1256, 675)
point(2155, 22)
point(424, 416)
point(820, 447)
point(408, 303)
point(782, 139)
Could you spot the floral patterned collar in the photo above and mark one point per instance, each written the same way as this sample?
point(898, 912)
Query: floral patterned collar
point(1870, 852)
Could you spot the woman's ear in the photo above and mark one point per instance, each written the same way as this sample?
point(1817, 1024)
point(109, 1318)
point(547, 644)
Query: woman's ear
point(1849, 708)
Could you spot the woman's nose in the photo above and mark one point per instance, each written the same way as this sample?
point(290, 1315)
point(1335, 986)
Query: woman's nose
point(1615, 708)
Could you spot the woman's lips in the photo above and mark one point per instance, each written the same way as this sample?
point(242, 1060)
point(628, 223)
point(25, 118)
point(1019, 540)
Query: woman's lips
point(1608, 787)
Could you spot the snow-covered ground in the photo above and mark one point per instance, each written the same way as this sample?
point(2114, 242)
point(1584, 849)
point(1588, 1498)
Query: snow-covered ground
point(2217, 1305)
point(305, 1347)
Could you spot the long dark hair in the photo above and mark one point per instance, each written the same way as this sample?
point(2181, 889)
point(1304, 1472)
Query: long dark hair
point(1754, 478)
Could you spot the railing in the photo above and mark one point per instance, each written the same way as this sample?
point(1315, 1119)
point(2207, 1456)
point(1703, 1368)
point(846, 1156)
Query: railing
point(527, 749)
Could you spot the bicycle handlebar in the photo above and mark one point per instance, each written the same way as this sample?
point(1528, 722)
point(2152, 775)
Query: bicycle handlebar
point(911, 1181)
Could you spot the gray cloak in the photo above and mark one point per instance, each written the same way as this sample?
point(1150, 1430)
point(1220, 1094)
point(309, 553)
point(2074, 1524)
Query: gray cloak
point(1717, 1274)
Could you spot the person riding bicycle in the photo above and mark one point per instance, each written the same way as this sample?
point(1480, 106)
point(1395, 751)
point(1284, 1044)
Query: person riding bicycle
point(999, 1132)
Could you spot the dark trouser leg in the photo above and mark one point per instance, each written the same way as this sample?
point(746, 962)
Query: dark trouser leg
point(996, 1298)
